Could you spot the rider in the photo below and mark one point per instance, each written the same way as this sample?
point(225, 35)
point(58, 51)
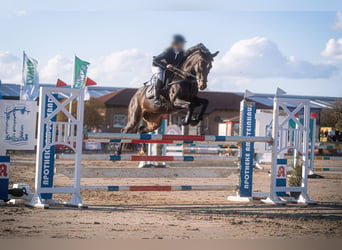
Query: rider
point(171, 57)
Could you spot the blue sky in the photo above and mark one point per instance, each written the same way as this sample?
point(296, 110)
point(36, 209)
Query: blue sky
point(261, 46)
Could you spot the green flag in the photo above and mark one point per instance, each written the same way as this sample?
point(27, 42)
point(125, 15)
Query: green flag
point(30, 89)
point(80, 74)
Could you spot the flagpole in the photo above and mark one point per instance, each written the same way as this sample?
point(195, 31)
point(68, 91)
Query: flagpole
point(81, 67)
point(22, 77)
point(70, 104)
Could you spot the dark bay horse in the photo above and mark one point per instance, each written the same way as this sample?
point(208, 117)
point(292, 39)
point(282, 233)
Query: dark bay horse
point(180, 93)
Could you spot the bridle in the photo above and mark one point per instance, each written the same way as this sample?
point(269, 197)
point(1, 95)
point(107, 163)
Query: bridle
point(185, 74)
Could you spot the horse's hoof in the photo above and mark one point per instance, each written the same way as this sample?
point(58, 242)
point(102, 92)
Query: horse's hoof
point(194, 122)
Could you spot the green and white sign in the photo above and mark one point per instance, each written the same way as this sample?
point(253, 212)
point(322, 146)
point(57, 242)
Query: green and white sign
point(30, 88)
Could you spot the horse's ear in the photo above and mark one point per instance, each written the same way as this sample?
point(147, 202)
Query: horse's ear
point(215, 54)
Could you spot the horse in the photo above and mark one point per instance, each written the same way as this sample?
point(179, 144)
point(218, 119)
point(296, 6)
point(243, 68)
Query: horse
point(180, 93)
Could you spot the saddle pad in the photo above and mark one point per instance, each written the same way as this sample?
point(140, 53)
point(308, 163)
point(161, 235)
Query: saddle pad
point(149, 92)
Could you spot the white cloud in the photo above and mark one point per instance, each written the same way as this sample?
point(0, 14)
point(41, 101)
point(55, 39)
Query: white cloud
point(259, 57)
point(57, 67)
point(245, 63)
point(123, 68)
point(10, 67)
point(338, 22)
point(128, 67)
point(20, 13)
point(333, 48)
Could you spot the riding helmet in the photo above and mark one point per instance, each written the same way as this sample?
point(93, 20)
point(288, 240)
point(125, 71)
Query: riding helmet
point(177, 38)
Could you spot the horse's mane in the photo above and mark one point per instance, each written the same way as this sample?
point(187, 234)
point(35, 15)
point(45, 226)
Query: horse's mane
point(199, 47)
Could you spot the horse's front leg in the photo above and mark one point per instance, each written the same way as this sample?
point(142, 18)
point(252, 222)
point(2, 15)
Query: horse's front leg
point(186, 121)
point(204, 104)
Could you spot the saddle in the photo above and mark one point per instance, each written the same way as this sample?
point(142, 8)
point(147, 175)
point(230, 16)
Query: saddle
point(150, 89)
point(149, 93)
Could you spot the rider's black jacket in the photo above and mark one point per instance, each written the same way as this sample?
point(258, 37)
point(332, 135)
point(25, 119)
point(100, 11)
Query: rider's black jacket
point(169, 57)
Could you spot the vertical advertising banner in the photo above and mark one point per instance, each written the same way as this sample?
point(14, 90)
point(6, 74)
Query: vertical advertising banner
point(4, 176)
point(17, 125)
point(48, 156)
point(247, 128)
point(281, 175)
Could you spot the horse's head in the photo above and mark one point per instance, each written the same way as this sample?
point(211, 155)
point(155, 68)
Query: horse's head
point(201, 64)
point(202, 68)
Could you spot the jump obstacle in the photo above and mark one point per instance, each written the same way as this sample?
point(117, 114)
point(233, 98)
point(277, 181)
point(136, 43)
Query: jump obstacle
point(53, 132)
point(172, 139)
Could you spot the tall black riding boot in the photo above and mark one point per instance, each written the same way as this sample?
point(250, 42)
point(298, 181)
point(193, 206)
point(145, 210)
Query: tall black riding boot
point(157, 90)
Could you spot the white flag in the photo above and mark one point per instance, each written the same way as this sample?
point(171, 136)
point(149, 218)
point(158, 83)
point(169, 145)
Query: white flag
point(86, 94)
point(30, 88)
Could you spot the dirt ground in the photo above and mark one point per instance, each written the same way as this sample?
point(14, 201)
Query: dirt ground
point(173, 215)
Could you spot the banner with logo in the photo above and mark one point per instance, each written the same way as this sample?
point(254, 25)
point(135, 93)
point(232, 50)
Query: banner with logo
point(17, 125)
point(30, 88)
point(247, 128)
point(80, 73)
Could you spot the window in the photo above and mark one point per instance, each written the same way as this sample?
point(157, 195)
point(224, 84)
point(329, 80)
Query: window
point(119, 121)
point(236, 128)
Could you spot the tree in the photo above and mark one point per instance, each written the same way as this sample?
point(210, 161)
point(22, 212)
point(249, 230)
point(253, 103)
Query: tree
point(93, 113)
point(332, 117)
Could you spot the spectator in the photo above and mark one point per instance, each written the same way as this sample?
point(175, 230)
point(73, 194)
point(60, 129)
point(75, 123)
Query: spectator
point(337, 135)
point(321, 136)
point(332, 134)
point(326, 134)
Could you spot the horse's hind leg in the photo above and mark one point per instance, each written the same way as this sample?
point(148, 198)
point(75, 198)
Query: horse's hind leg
point(134, 117)
point(152, 122)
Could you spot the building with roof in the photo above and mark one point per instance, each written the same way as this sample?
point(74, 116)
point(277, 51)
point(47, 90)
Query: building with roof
point(223, 106)
point(11, 91)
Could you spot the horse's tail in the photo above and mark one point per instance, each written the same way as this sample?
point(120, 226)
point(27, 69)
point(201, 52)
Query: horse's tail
point(134, 112)
point(133, 119)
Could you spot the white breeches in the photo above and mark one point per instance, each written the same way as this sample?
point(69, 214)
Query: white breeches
point(158, 71)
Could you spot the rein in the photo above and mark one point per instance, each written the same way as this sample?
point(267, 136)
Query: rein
point(181, 72)
point(184, 74)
